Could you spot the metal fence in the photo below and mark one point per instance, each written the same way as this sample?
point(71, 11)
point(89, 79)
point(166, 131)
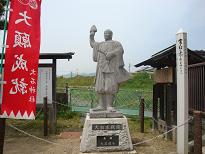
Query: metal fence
point(82, 99)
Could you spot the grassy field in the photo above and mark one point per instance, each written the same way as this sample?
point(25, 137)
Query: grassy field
point(75, 81)
point(66, 121)
point(139, 81)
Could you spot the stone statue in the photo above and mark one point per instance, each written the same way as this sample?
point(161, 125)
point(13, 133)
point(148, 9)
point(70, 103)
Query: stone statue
point(110, 69)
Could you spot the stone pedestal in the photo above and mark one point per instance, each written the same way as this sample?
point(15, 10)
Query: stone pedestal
point(105, 134)
point(105, 114)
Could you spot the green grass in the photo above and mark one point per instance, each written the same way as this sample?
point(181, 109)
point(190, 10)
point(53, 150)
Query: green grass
point(140, 81)
point(66, 120)
point(134, 124)
point(74, 123)
point(75, 81)
point(66, 113)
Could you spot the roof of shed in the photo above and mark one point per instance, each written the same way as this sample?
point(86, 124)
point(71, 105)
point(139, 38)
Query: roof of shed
point(55, 55)
point(167, 57)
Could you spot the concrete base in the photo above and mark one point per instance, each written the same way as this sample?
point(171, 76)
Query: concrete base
point(105, 134)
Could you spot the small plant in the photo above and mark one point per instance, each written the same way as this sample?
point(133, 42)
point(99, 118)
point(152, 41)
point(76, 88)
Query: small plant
point(65, 112)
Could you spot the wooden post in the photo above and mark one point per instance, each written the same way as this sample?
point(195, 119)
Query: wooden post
point(2, 134)
point(174, 91)
point(45, 111)
point(155, 107)
point(168, 93)
point(66, 94)
point(142, 115)
point(182, 91)
point(161, 98)
point(54, 95)
point(52, 109)
point(197, 133)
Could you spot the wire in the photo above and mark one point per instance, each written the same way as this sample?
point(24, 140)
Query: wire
point(38, 138)
point(146, 141)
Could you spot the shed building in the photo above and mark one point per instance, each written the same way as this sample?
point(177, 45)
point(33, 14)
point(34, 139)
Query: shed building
point(165, 85)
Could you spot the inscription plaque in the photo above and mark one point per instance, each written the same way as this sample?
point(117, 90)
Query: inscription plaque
point(107, 127)
point(103, 141)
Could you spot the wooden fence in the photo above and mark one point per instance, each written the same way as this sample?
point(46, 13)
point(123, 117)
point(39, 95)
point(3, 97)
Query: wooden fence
point(197, 87)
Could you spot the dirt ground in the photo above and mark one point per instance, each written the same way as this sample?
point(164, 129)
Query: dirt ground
point(68, 143)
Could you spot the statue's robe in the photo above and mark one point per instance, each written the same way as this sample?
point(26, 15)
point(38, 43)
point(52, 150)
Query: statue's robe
point(109, 73)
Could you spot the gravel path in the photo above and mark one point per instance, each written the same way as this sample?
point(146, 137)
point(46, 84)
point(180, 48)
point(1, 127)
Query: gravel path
point(68, 143)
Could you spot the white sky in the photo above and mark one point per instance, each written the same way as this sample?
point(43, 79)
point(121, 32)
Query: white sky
point(144, 27)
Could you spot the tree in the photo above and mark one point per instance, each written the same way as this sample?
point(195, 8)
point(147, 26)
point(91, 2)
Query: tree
point(2, 13)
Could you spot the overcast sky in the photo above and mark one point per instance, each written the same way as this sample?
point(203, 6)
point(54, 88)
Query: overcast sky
point(144, 27)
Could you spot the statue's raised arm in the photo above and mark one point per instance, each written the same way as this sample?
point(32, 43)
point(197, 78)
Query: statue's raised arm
point(93, 30)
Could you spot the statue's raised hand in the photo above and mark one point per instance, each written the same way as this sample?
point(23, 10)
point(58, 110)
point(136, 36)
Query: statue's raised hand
point(93, 30)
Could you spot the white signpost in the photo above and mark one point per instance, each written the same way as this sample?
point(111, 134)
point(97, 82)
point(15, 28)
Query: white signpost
point(44, 88)
point(182, 91)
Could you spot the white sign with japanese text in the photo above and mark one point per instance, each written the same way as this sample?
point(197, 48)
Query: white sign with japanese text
point(182, 91)
point(44, 85)
point(44, 88)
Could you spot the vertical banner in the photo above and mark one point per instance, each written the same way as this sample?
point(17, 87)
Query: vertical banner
point(182, 91)
point(21, 60)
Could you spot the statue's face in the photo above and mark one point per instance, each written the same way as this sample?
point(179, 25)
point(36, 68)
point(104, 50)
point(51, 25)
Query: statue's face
point(108, 35)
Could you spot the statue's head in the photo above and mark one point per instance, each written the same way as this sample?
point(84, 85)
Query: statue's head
point(108, 35)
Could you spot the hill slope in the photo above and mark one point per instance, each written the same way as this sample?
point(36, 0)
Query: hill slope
point(142, 80)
